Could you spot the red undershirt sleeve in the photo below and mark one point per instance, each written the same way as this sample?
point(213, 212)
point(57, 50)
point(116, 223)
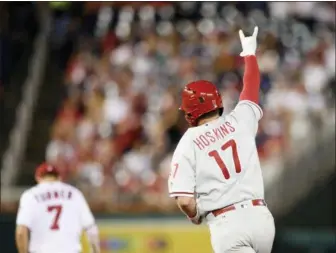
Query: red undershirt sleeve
point(247, 112)
point(251, 80)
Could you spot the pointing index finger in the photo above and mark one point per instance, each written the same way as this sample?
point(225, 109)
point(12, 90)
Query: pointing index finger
point(241, 35)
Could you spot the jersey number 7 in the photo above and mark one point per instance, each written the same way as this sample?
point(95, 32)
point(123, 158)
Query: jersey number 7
point(57, 210)
point(214, 153)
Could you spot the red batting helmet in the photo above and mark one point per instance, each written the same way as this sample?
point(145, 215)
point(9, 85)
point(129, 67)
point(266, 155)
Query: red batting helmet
point(44, 169)
point(198, 98)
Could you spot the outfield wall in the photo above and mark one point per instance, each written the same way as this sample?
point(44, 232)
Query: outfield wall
point(173, 235)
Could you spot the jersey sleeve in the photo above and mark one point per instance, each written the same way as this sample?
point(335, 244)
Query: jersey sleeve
point(182, 178)
point(247, 114)
point(25, 213)
point(87, 218)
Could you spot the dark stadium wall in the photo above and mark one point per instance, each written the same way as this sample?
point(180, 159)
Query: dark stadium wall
point(7, 230)
point(316, 210)
point(310, 226)
point(16, 48)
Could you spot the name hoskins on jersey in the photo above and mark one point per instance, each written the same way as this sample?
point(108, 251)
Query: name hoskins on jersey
point(218, 161)
point(56, 215)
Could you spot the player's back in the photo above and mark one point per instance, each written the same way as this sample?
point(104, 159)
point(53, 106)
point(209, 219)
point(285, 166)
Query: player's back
point(56, 221)
point(226, 162)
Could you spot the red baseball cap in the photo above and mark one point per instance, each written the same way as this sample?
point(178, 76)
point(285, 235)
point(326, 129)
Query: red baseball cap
point(46, 168)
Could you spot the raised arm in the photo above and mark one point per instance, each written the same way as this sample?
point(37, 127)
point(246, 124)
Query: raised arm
point(251, 75)
point(251, 80)
point(247, 112)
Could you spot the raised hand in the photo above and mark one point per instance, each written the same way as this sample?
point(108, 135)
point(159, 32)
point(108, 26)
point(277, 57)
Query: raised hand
point(249, 44)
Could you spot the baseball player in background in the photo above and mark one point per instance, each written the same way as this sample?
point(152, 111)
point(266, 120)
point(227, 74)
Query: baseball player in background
point(52, 216)
point(215, 170)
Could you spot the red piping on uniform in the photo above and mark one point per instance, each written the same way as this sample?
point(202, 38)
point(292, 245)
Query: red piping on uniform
point(251, 80)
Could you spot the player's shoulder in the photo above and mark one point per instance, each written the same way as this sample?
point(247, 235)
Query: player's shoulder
point(31, 191)
point(229, 118)
point(66, 185)
point(185, 140)
point(185, 145)
point(72, 188)
point(245, 107)
point(28, 194)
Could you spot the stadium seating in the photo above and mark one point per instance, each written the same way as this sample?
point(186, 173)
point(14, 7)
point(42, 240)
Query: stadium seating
point(117, 128)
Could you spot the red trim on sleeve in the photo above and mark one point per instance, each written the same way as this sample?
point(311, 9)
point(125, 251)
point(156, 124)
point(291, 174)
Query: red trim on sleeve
point(251, 80)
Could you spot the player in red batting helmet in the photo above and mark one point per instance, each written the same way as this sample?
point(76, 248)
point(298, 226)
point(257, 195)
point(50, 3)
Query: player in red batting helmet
point(200, 98)
point(46, 170)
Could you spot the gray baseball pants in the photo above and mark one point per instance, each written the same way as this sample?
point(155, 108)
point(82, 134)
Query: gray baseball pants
point(244, 230)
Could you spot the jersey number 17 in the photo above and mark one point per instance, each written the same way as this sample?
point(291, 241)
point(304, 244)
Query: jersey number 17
point(214, 154)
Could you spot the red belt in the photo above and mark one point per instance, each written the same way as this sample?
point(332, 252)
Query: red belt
point(255, 202)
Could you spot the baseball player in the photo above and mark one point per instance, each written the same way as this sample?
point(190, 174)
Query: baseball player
point(52, 216)
point(215, 170)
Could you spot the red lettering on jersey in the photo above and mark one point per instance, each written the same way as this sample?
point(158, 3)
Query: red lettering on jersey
point(214, 153)
point(232, 129)
point(53, 195)
point(204, 140)
point(175, 169)
point(208, 134)
point(199, 144)
point(224, 130)
point(218, 134)
point(48, 196)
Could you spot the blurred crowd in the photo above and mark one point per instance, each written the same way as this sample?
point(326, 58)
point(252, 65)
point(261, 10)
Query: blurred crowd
point(119, 124)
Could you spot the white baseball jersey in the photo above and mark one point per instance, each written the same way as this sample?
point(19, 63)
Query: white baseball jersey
point(56, 214)
point(218, 161)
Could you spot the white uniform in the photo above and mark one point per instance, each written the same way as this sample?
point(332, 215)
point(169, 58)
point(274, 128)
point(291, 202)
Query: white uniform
point(219, 164)
point(56, 214)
